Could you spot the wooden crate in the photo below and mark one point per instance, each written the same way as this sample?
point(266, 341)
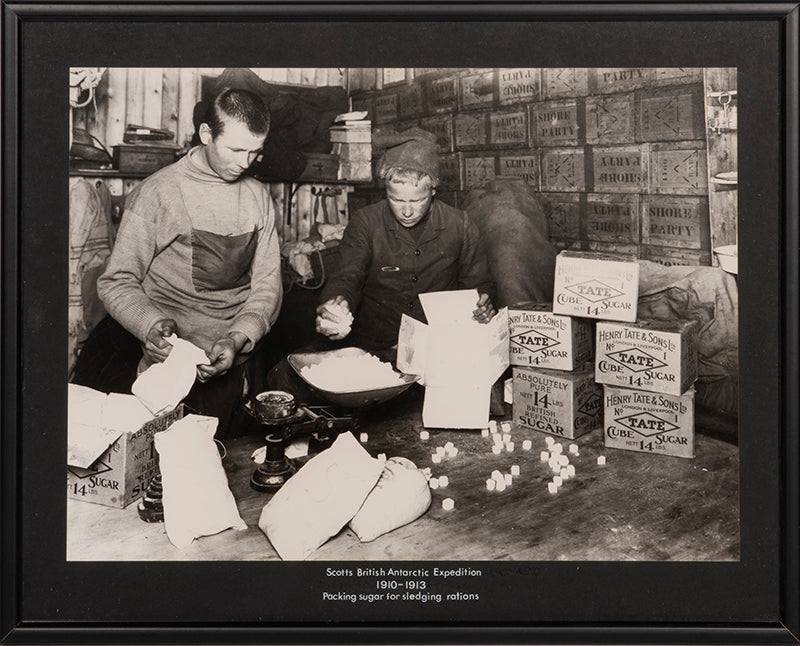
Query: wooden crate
point(557, 123)
point(564, 217)
point(471, 130)
point(563, 169)
point(610, 119)
point(508, 127)
point(562, 82)
point(678, 168)
point(605, 80)
point(450, 171)
point(612, 218)
point(442, 126)
point(479, 169)
point(620, 169)
point(519, 84)
point(670, 113)
point(671, 257)
point(477, 90)
point(410, 101)
point(441, 95)
point(522, 163)
point(386, 107)
point(675, 221)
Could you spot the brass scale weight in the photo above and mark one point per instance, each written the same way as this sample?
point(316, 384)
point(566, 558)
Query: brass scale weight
point(281, 418)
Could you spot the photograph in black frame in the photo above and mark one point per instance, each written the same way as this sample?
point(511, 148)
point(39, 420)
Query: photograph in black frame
point(561, 579)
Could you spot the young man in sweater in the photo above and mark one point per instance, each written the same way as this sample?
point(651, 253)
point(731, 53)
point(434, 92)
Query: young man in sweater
point(197, 255)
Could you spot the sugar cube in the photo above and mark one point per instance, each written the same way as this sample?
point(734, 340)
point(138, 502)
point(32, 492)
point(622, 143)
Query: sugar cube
point(436, 458)
point(549, 441)
point(448, 504)
point(492, 426)
point(490, 484)
point(514, 469)
point(601, 459)
point(564, 473)
point(453, 452)
point(382, 457)
point(510, 447)
point(508, 478)
point(363, 437)
point(506, 438)
point(496, 475)
point(496, 449)
point(484, 432)
point(557, 448)
point(505, 427)
point(433, 483)
point(448, 446)
point(440, 451)
point(571, 470)
point(497, 438)
point(424, 435)
point(563, 460)
point(444, 481)
point(544, 456)
point(501, 485)
point(526, 445)
point(552, 487)
point(573, 448)
point(558, 480)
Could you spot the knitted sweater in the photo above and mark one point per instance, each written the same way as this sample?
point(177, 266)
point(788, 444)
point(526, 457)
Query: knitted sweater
point(197, 249)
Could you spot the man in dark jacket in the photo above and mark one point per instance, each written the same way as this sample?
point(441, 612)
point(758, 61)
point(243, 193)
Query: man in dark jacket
point(401, 247)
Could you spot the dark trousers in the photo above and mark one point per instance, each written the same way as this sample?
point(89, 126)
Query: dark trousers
point(111, 354)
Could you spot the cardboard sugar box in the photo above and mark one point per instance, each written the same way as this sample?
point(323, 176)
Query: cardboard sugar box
point(458, 358)
point(111, 458)
point(567, 404)
point(658, 423)
point(657, 356)
point(537, 337)
point(596, 285)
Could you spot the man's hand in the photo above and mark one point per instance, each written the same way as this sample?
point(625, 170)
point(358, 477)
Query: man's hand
point(334, 318)
point(221, 356)
point(484, 311)
point(156, 347)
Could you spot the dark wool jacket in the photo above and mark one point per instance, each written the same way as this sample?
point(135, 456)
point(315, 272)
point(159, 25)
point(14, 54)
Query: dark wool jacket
point(384, 270)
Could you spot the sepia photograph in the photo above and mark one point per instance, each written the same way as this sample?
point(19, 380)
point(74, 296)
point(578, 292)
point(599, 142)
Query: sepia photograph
point(399, 323)
point(351, 314)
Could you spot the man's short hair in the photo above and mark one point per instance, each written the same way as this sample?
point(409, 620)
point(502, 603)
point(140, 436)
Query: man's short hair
point(242, 105)
point(413, 176)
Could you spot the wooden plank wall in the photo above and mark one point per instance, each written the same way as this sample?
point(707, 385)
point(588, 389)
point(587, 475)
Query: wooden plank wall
point(165, 98)
point(721, 121)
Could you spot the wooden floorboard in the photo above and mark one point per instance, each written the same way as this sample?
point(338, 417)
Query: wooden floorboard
point(638, 507)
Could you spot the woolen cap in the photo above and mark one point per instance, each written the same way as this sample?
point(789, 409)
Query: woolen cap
point(414, 148)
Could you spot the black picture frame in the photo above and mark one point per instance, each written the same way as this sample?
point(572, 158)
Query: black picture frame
point(47, 600)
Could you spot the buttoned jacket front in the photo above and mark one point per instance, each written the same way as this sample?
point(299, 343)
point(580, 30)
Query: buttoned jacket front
point(384, 268)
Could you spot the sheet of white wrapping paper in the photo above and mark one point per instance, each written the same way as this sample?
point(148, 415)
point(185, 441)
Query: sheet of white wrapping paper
point(320, 499)
point(449, 307)
point(87, 437)
point(163, 385)
point(456, 406)
point(196, 497)
point(400, 496)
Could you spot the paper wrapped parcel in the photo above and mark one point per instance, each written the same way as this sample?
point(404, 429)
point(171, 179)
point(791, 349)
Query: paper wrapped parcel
point(163, 385)
point(459, 359)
